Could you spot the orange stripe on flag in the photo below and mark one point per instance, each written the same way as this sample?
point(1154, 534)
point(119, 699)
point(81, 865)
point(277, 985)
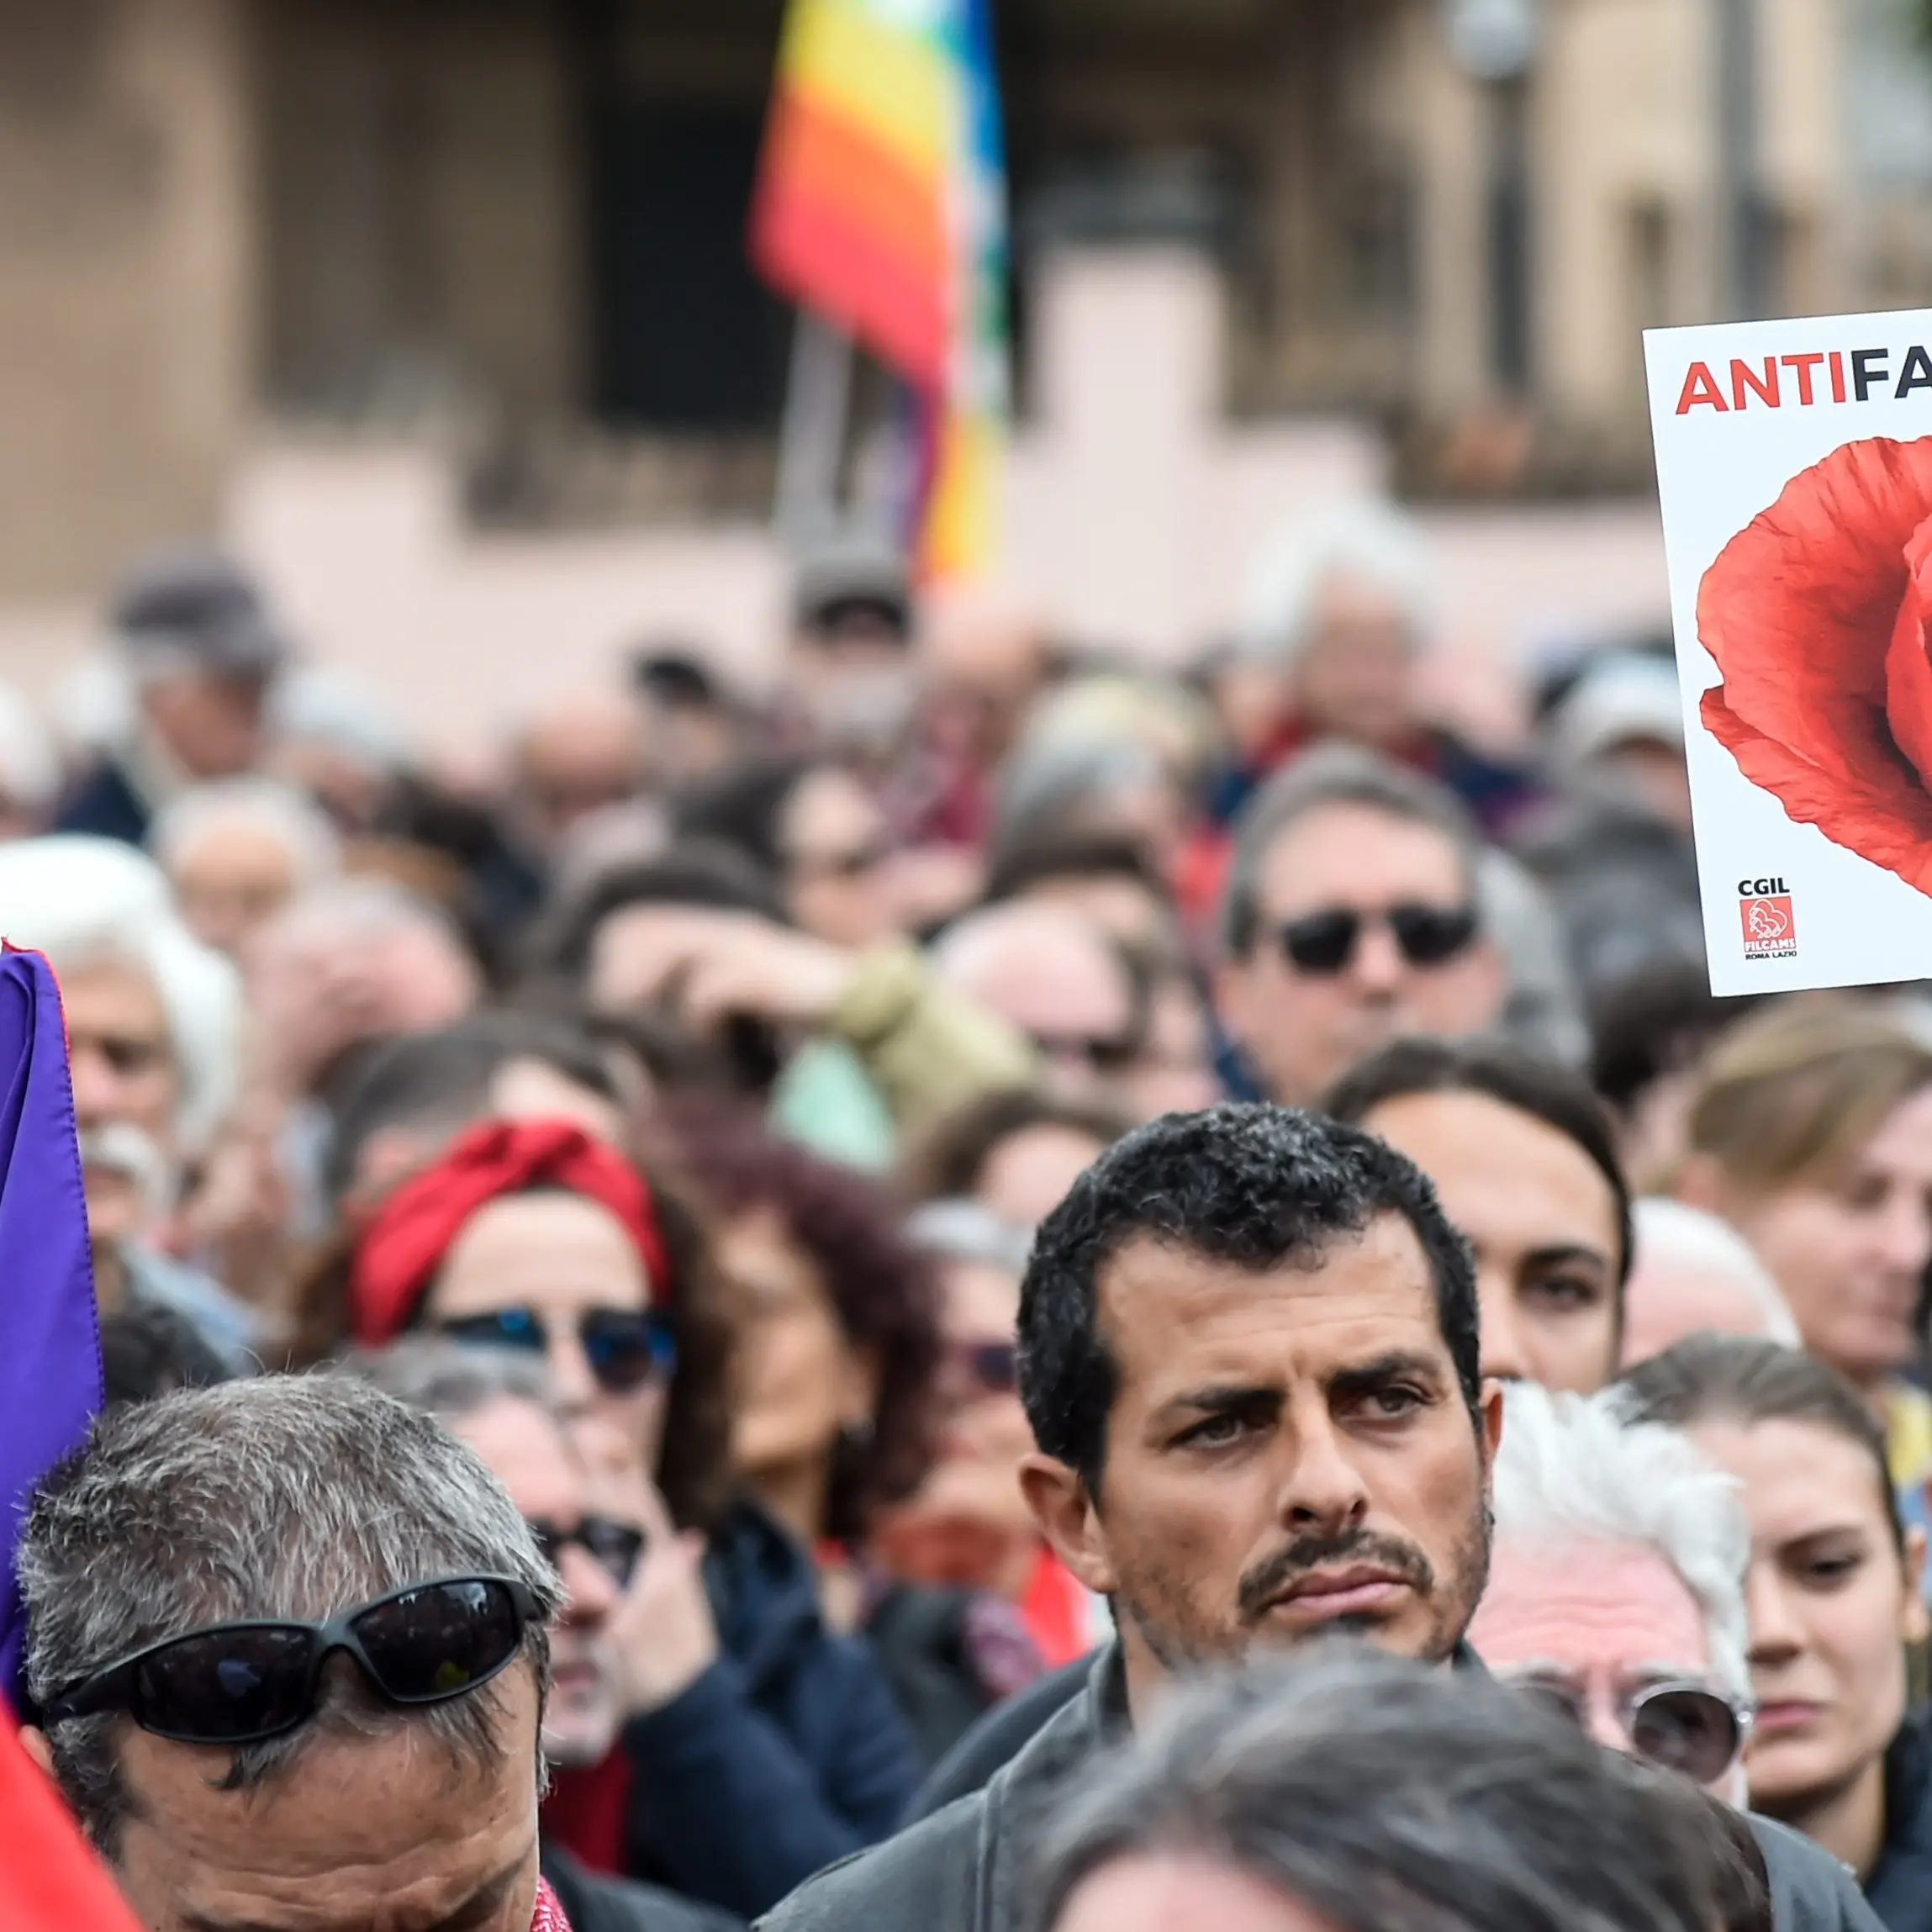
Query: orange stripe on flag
point(842, 227)
point(826, 159)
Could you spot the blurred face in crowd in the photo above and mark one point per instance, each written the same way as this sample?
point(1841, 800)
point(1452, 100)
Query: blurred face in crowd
point(127, 1089)
point(854, 674)
point(360, 1830)
point(1833, 1606)
point(318, 986)
point(1302, 1022)
point(1654, 773)
point(1026, 1176)
point(1054, 978)
point(1849, 1249)
point(231, 880)
point(686, 742)
point(801, 1384)
point(968, 1525)
point(210, 723)
point(553, 1261)
point(1174, 1891)
point(1174, 1073)
point(837, 859)
point(1543, 1221)
point(529, 1455)
point(1592, 1626)
point(1669, 1296)
point(1289, 1455)
point(585, 754)
point(1355, 675)
point(1117, 904)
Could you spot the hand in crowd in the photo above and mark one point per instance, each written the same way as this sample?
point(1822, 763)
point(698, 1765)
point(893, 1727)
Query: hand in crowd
point(711, 967)
point(664, 1634)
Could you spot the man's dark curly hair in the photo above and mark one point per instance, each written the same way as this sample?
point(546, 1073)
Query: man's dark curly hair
point(1257, 1186)
point(884, 1292)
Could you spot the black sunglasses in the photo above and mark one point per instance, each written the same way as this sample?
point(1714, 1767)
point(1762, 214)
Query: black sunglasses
point(1325, 942)
point(616, 1545)
point(992, 1366)
point(241, 1683)
point(625, 1347)
point(1684, 1727)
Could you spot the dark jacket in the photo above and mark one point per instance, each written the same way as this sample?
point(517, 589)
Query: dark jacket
point(947, 1654)
point(593, 1902)
point(105, 803)
point(962, 1869)
point(787, 1753)
point(1900, 1888)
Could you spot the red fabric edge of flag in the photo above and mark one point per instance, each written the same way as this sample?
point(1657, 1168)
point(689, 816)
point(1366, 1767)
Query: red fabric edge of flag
point(50, 1881)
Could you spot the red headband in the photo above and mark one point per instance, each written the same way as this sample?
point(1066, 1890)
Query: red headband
point(399, 1252)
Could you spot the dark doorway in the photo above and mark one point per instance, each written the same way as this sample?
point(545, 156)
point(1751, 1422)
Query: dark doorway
point(686, 337)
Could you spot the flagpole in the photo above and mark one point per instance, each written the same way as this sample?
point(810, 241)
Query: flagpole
point(812, 446)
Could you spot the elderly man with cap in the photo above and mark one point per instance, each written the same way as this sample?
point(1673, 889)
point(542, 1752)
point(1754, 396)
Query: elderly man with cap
point(849, 671)
point(288, 1648)
point(201, 649)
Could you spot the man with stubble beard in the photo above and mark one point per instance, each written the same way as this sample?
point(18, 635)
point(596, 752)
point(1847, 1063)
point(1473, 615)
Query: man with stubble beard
point(1249, 1355)
point(1250, 1359)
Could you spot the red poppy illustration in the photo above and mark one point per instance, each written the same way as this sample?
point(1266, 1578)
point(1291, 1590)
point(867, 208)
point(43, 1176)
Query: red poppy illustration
point(1819, 615)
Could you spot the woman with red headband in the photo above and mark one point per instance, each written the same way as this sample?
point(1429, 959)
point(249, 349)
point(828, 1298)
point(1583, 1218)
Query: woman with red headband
point(535, 1235)
point(760, 1744)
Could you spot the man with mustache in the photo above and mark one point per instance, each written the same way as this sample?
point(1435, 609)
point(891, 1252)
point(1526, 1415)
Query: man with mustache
point(1249, 1357)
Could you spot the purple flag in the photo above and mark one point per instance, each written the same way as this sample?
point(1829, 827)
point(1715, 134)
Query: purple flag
point(50, 1339)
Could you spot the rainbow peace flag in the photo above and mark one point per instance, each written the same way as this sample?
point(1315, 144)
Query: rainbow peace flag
point(881, 204)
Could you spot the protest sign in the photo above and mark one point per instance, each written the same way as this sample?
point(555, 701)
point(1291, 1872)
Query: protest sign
point(1794, 462)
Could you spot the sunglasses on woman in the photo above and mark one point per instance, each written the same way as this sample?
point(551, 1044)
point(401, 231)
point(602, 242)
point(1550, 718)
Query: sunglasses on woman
point(242, 1683)
point(625, 1347)
point(616, 1545)
point(1684, 1727)
point(1322, 943)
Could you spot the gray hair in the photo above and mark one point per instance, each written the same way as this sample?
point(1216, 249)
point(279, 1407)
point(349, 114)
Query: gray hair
point(1389, 1797)
point(287, 1496)
point(1368, 542)
point(1332, 774)
point(1573, 1471)
point(86, 901)
point(289, 815)
point(1050, 780)
point(451, 1381)
point(1714, 1247)
point(968, 1230)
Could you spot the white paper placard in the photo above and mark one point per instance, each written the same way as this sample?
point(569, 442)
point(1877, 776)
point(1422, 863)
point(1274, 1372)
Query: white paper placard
point(1794, 461)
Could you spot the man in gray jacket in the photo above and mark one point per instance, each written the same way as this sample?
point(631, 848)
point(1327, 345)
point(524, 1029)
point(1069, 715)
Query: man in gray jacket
point(1250, 1356)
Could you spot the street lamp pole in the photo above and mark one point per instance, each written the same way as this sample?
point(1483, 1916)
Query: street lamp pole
point(1745, 290)
point(1494, 42)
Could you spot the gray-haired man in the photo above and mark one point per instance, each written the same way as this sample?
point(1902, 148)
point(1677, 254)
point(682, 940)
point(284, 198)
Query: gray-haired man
point(368, 1762)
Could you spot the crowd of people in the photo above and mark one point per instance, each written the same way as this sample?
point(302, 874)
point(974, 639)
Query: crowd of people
point(725, 1324)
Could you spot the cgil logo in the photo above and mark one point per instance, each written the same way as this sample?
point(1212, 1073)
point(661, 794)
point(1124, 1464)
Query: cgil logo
point(1767, 919)
point(1779, 382)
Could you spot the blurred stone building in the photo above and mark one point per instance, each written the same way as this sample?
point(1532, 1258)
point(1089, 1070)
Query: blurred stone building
point(509, 232)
